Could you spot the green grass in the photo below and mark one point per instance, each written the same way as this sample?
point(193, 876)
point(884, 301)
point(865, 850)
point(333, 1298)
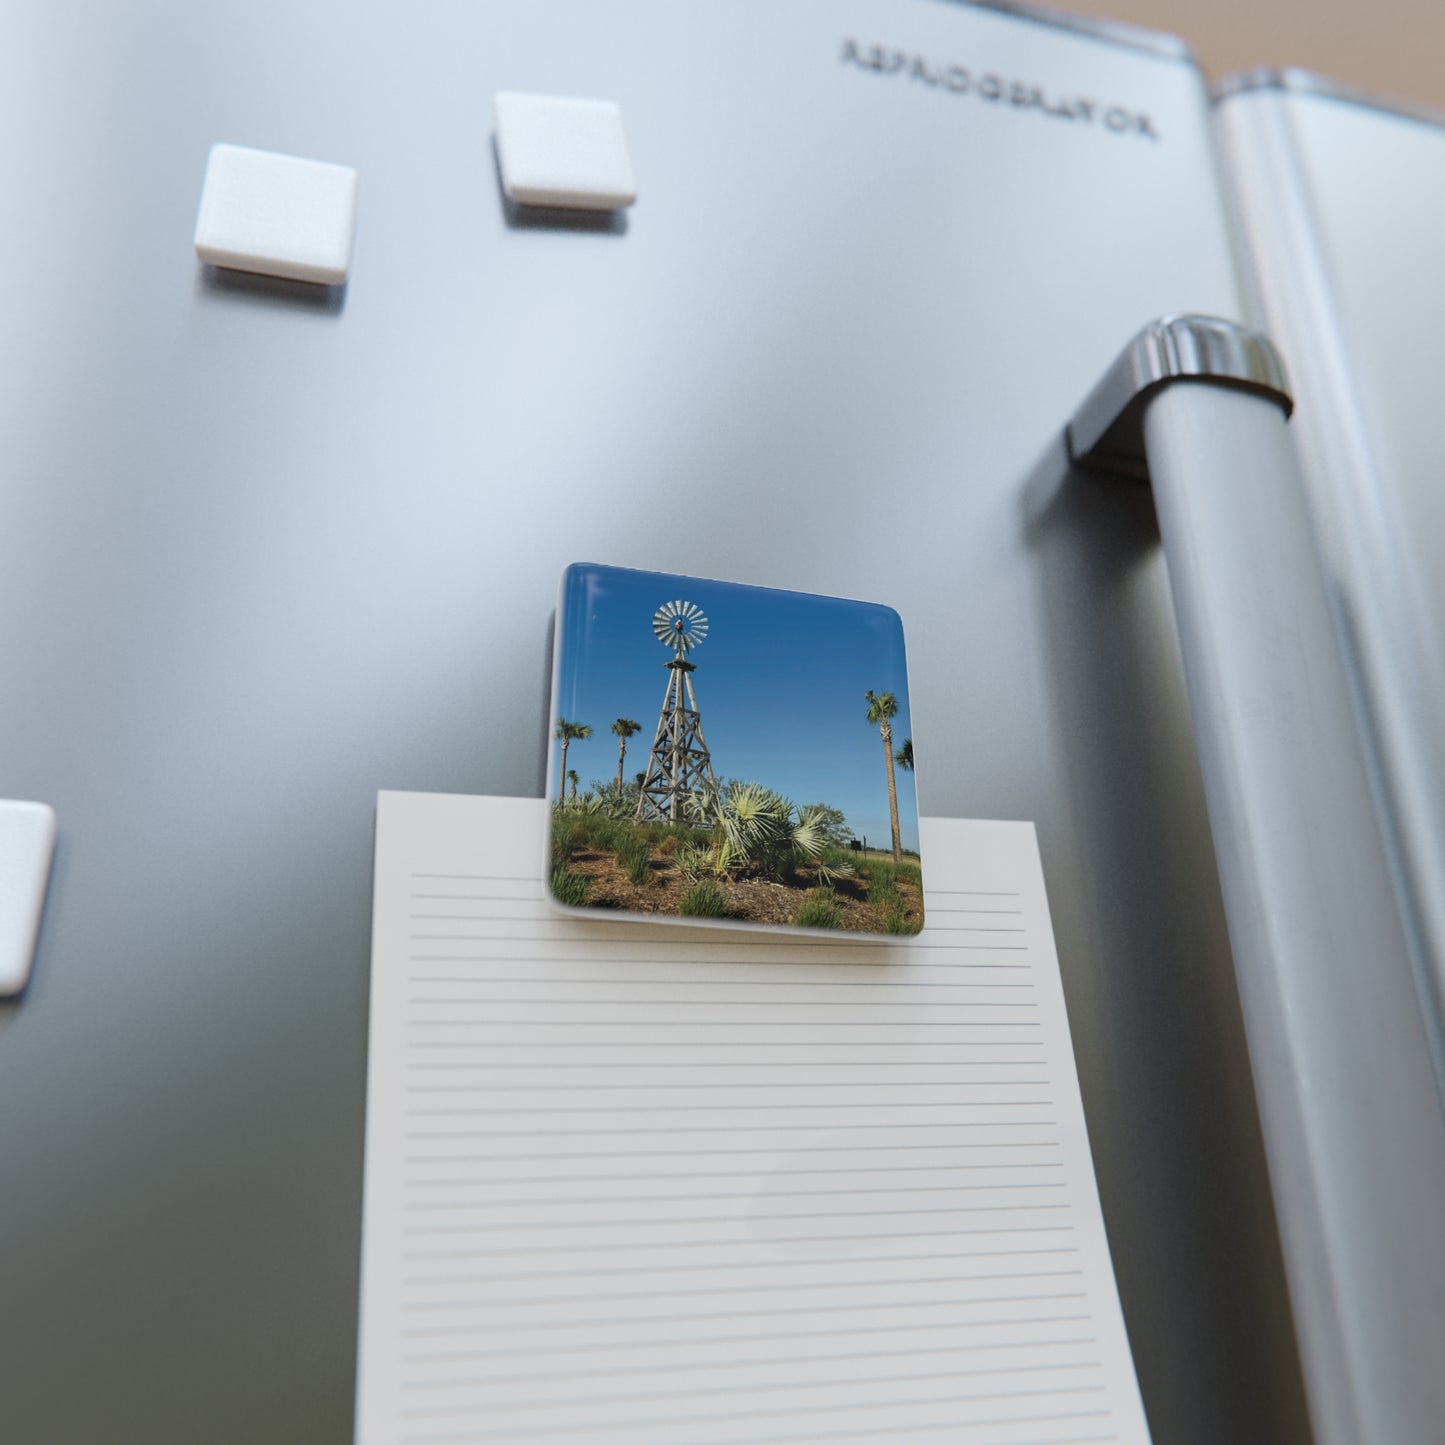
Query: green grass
point(885, 895)
point(897, 921)
point(883, 876)
point(574, 830)
point(703, 900)
point(822, 910)
point(569, 887)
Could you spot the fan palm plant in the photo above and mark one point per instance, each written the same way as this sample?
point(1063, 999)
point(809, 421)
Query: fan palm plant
point(882, 708)
point(811, 843)
point(755, 825)
point(624, 728)
point(568, 733)
point(904, 756)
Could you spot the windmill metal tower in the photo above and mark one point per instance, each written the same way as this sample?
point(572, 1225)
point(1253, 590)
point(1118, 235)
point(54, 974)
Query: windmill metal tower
point(680, 766)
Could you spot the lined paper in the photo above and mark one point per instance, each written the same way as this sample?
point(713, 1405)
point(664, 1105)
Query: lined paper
point(658, 1184)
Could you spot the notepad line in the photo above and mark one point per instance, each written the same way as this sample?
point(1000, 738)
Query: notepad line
point(607, 980)
point(493, 1227)
point(712, 1195)
point(502, 1086)
point(900, 1429)
point(849, 1064)
point(862, 943)
point(415, 1137)
point(771, 1313)
point(418, 1281)
point(808, 1003)
point(742, 1107)
point(733, 1025)
point(449, 1356)
point(898, 1237)
point(631, 1176)
point(432, 1331)
point(950, 1256)
point(711, 1153)
point(435, 1411)
point(894, 1429)
point(512, 1432)
point(760, 1044)
point(857, 942)
point(613, 1371)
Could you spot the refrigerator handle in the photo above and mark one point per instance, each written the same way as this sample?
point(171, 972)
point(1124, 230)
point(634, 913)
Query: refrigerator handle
point(1340, 1046)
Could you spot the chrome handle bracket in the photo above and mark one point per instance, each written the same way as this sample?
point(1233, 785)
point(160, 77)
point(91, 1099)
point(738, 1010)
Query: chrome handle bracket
point(1106, 433)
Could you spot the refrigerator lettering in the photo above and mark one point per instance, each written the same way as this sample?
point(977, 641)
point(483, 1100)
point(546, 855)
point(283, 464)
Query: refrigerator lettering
point(997, 89)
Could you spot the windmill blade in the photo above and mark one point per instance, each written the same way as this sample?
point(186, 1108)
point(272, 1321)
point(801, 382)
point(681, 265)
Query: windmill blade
point(662, 622)
point(680, 624)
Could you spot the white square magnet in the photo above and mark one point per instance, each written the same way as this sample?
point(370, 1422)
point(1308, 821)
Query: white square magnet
point(562, 151)
point(277, 215)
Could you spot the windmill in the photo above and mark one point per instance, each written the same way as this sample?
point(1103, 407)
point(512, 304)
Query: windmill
point(679, 767)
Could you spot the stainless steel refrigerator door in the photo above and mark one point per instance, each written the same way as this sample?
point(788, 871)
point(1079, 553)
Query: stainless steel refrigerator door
point(265, 552)
point(1341, 1054)
point(1341, 227)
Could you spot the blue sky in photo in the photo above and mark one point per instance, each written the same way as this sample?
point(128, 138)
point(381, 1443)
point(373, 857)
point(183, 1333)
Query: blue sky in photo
point(780, 686)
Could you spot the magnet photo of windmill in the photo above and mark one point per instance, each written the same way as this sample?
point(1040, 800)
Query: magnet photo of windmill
point(778, 789)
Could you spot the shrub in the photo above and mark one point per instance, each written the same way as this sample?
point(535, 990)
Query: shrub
point(567, 836)
point(703, 900)
point(603, 832)
point(569, 887)
point(811, 843)
point(830, 823)
point(822, 910)
point(696, 860)
point(756, 827)
point(634, 855)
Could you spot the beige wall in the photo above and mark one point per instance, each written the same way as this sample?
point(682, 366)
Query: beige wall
point(1391, 47)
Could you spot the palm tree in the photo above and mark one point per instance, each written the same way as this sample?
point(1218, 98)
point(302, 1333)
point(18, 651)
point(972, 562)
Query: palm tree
point(566, 734)
point(904, 756)
point(624, 727)
point(882, 707)
point(574, 780)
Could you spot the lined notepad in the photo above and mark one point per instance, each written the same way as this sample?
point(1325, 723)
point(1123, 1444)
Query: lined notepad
point(668, 1186)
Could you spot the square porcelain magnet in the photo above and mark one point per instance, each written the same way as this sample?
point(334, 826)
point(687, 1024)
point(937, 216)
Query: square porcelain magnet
point(731, 754)
point(277, 215)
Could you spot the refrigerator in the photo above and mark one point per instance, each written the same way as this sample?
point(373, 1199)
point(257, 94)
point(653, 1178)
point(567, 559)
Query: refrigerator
point(269, 547)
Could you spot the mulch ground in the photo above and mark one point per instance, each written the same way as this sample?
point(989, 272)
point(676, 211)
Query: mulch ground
point(754, 900)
